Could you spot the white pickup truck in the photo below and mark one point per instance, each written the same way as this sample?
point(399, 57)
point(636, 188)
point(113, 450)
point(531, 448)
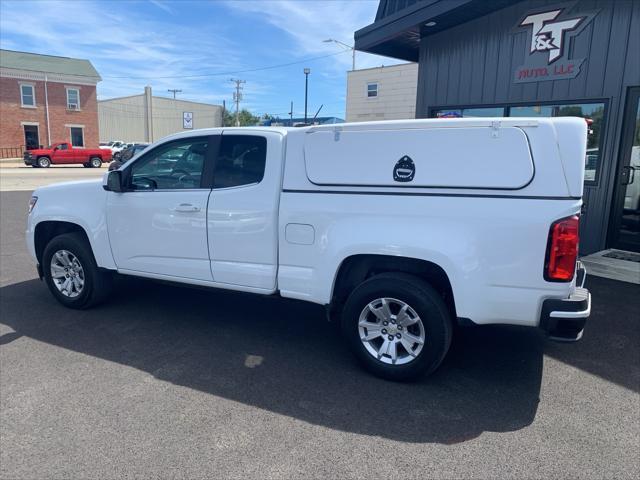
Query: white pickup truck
point(401, 229)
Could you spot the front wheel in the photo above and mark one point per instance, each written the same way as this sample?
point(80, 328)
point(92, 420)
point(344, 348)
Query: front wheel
point(96, 162)
point(397, 326)
point(71, 272)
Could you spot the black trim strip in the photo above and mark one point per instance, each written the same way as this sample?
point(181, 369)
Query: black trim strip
point(419, 194)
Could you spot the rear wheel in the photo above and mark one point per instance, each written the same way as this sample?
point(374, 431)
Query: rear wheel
point(71, 272)
point(96, 162)
point(397, 325)
point(44, 162)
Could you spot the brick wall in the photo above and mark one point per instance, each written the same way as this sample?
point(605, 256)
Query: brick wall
point(12, 113)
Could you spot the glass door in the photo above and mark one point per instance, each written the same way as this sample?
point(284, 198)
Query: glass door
point(626, 213)
point(31, 137)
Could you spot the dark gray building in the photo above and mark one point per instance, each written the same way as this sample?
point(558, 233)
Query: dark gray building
point(534, 58)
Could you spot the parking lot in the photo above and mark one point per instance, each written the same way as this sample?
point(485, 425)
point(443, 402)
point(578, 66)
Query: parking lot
point(167, 381)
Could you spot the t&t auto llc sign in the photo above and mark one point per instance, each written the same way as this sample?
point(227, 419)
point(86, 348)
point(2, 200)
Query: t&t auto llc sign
point(546, 56)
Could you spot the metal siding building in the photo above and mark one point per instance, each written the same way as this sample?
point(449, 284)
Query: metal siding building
point(145, 118)
point(480, 58)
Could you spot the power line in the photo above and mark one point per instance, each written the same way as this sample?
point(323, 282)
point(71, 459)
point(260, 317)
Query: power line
point(256, 69)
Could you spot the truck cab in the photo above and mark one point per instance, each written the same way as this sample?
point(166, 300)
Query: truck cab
point(232, 206)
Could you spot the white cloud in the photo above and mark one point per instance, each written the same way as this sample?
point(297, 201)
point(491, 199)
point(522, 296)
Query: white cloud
point(310, 22)
point(161, 5)
point(121, 46)
point(147, 41)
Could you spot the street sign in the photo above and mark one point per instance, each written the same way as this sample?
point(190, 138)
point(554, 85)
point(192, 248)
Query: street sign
point(187, 120)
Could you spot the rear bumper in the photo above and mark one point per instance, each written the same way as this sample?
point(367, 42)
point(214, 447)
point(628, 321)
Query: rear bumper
point(29, 160)
point(564, 319)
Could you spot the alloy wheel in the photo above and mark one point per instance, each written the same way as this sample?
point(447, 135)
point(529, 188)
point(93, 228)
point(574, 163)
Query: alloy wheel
point(67, 273)
point(391, 331)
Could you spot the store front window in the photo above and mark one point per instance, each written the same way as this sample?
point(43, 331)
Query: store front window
point(593, 113)
point(471, 112)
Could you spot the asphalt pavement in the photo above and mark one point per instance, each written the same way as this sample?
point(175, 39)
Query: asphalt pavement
point(166, 381)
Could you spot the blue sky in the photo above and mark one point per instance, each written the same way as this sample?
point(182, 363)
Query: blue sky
point(179, 44)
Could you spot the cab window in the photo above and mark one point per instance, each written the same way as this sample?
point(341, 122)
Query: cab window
point(241, 161)
point(174, 165)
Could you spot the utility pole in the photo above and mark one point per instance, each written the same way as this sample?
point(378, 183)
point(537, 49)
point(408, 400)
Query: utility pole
point(350, 47)
point(174, 91)
point(291, 114)
point(237, 96)
point(224, 112)
point(307, 71)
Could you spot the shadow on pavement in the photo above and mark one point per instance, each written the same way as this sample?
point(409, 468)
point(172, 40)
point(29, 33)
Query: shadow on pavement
point(283, 356)
point(609, 347)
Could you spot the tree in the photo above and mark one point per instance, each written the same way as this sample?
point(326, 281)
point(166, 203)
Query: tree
point(246, 118)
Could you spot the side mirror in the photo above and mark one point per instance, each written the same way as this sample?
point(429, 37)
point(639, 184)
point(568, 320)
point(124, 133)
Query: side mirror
point(115, 165)
point(113, 181)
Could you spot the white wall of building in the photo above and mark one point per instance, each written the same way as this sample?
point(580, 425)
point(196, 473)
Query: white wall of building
point(396, 93)
point(136, 119)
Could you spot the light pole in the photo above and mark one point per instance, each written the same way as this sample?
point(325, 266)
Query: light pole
point(307, 71)
point(350, 47)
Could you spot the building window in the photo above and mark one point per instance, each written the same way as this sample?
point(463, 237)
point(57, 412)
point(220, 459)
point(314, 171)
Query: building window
point(73, 99)
point(372, 90)
point(77, 136)
point(27, 95)
point(471, 112)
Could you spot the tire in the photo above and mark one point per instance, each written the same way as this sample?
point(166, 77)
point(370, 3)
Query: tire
point(95, 162)
point(97, 284)
point(44, 162)
point(433, 325)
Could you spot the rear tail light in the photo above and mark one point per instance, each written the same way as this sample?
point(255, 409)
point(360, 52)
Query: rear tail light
point(562, 250)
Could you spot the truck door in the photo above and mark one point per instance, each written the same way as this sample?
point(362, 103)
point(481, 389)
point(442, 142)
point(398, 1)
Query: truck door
point(159, 225)
point(243, 209)
point(62, 154)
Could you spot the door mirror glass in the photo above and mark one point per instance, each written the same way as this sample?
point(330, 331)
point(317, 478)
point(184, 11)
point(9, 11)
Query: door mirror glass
point(114, 181)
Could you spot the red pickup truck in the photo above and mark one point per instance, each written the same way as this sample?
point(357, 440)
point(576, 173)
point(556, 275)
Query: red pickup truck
point(63, 153)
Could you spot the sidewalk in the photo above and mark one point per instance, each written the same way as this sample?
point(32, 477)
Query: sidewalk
point(11, 162)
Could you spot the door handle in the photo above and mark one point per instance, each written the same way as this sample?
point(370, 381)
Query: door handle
point(186, 208)
point(632, 174)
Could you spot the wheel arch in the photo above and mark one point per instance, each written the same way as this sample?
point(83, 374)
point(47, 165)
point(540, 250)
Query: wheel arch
point(48, 229)
point(355, 269)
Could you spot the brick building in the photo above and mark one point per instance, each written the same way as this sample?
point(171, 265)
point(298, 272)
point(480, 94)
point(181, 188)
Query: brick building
point(46, 99)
